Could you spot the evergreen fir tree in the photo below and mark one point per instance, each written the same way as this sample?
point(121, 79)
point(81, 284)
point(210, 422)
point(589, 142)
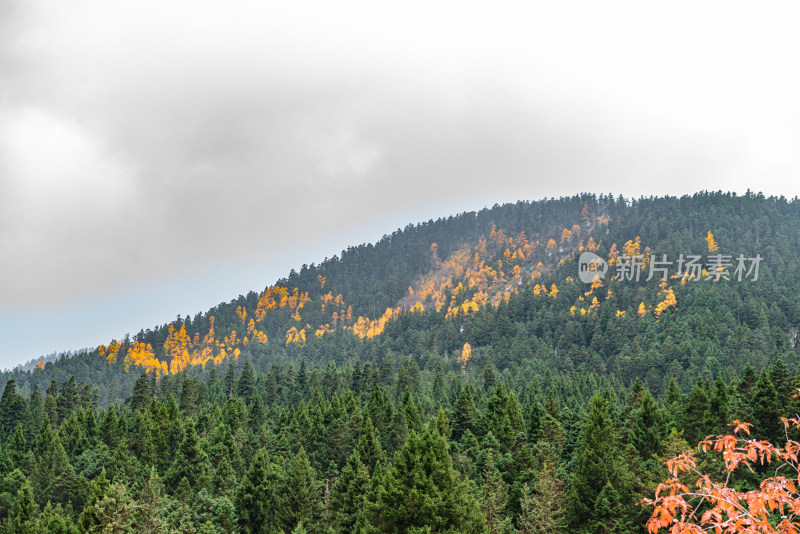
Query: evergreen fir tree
point(12, 409)
point(543, 505)
point(191, 462)
point(464, 414)
point(301, 502)
point(494, 499)
point(247, 381)
point(347, 494)
point(421, 490)
point(258, 503)
point(598, 460)
point(368, 447)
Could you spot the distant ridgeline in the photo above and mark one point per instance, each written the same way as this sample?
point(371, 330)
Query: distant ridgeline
point(693, 285)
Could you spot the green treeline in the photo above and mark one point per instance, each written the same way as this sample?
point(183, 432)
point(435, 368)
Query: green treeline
point(380, 447)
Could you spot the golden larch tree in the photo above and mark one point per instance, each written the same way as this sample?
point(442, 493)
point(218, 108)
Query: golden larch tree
point(712, 245)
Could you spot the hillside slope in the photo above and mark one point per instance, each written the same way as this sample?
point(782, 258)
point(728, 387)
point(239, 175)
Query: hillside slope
point(505, 280)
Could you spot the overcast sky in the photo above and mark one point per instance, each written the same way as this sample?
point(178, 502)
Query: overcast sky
point(157, 158)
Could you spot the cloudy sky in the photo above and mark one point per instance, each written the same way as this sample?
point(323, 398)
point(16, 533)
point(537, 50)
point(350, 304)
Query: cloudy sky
point(157, 158)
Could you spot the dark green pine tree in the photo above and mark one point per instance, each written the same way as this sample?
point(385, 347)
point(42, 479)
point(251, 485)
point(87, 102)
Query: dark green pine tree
point(12, 409)
point(191, 462)
point(22, 517)
point(257, 501)
point(141, 393)
point(716, 417)
point(301, 502)
point(693, 411)
point(230, 380)
point(607, 512)
point(422, 492)
point(672, 399)
point(151, 495)
point(89, 520)
point(494, 498)
point(110, 429)
point(413, 418)
point(766, 410)
point(301, 381)
point(68, 400)
point(544, 505)
point(489, 377)
point(224, 479)
point(255, 416)
point(53, 476)
point(649, 428)
point(247, 382)
point(398, 431)
point(368, 447)
point(784, 382)
point(36, 416)
point(347, 494)
point(598, 462)
point(463, 414)
point(16, 448)
point(437, 389)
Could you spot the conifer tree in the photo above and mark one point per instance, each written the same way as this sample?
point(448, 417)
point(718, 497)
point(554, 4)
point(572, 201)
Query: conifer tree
point(191, 462)
point(494, 499)
point(301, 501)
point(347, 494)
point(257, 499)
point(766, 409)
point(464, 414)
point(649, 428)
point(543, 505)
point(22, 517)
point(90, 516)
point(599, 462)
point(148, 516)
point(368, 447)
point(247, 381)
point(230, 380)
point(12, 409)
point(115, 511)
point(421, 490)
point(16, 448)
point(141, 393)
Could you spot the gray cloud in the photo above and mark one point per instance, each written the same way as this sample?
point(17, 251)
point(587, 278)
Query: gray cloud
point(140, 140)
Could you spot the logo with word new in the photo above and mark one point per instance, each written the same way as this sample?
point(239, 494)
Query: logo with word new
point(591, 267)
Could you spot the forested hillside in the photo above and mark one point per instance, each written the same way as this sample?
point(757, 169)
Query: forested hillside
point(456, 376)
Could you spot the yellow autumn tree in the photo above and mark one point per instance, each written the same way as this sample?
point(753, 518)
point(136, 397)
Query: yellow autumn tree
point(613, 254)
point(642, 310)
point(632, 247)
point(241, 312)
point(466, 354)
point(712, 245)
point(669, 300)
